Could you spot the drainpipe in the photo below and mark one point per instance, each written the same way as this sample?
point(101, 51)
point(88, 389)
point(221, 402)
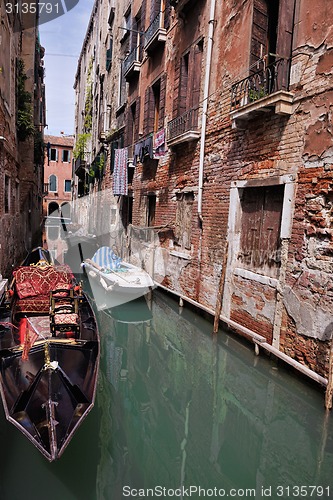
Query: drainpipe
point(205, 105)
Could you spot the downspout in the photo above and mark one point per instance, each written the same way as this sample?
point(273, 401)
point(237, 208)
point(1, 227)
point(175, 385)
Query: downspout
point(205, 106)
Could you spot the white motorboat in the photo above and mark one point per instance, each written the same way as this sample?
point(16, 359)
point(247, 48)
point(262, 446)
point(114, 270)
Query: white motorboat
point(113, 281)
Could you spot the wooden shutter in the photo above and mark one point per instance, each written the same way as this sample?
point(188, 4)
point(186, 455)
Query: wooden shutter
point(271, 225)
point(148, 124)
point(167, 14)
point(260, 227)
point(155, 9)
point(284, 40)
point(137, 120)
point(252, 205)
point(195, 71)
point(162, 101)
point(259, 40)
point(176, 88)
point(183, 83)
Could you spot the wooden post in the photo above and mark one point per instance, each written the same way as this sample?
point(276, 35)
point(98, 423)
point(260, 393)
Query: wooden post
point(220, 291)
point(329, 388)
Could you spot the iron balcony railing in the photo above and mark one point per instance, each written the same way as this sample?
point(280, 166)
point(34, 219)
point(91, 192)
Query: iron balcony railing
point(184, 123)
point(261, 83)
point(153, 28)
point(132, 57)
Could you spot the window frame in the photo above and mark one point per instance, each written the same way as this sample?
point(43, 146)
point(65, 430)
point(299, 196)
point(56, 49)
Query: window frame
point(56, 154)
point(70, 185)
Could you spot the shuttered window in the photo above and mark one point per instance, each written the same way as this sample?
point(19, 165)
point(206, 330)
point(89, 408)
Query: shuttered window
point(260, 227)
point(188, 79)
point(154, 106)
point(184, 219)
point(272, 31)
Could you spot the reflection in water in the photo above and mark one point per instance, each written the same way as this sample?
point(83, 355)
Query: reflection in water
point(189, 409)
point(176, 406)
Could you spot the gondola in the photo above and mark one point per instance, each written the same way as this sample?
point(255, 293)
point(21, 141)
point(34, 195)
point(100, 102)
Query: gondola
point(49, 353)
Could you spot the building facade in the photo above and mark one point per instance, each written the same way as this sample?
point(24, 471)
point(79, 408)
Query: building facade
point(22, 121)
point(222, 113)
point(57, 190)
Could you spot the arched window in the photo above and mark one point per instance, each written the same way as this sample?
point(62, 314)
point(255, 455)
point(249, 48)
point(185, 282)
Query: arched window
point(53, 183)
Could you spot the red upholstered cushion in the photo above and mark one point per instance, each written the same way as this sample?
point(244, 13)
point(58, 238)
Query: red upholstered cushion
point(32, 281)
point(66, 319)
point(33, 305)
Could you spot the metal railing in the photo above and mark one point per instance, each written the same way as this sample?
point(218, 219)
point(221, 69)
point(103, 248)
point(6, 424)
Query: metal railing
point(132, 57)
point(261, 83)
point(184, 123)
point(152, 29)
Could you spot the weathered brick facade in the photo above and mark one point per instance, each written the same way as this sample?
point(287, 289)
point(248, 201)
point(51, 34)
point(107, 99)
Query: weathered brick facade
point(254, 180)
point(21, 146)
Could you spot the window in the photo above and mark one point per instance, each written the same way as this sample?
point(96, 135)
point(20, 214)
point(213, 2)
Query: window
point(68, 184)
point(261, 212)
point(16, 195)
point(7, 194)
point(109, 55)
point(53, 154)
point(190, 79)
point(66, 155)
point(151, 209)
point(154, 106)
point(184, 219)
point(53, 183)
point(272, 31)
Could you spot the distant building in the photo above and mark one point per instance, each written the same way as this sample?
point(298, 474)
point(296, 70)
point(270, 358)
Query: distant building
point(22, 122)
point(57, 188)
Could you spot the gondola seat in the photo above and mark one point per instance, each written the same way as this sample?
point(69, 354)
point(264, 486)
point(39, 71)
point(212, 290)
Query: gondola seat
point(33, 285)
point(64, 312)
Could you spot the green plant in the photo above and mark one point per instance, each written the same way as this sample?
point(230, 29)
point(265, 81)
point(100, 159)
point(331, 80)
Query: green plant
point(81, 146)
point(88, 105)
point(255, 94)
point(24, 118)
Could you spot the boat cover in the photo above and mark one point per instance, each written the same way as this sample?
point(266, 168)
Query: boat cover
point(106, 258)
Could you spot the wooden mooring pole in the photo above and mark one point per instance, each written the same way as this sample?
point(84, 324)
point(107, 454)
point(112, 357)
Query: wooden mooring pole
point(220, 292)
point(329, 387)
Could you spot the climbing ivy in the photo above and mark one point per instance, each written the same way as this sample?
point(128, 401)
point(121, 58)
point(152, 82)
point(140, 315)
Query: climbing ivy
point(88, 100)
point(24, 118)
point(80, 148)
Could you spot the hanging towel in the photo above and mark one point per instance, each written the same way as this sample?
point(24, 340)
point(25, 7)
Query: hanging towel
point(120, 174)
point(137, 152)
point(147, 150)
point(159, 144)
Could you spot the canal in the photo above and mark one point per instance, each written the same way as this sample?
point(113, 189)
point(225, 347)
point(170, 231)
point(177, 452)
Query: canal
point(179, 409)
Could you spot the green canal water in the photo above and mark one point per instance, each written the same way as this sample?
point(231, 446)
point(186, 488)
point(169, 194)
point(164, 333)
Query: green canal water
point(181, 414)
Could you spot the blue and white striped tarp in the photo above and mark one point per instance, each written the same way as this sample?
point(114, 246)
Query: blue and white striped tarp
point(106, 258)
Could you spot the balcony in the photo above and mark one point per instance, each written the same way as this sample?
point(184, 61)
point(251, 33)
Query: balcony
point(45, 189)
point(184, 128)
point(80, 167)
point(131, 64)
point(262, 91)
point(156, 34)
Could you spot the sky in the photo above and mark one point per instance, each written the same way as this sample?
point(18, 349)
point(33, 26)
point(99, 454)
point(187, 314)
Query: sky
point(62, 39)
